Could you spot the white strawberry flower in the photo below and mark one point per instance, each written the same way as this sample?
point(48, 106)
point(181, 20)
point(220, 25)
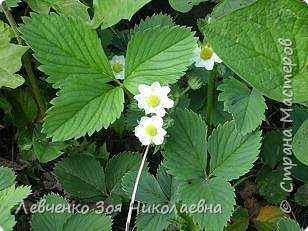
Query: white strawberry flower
point(204, 56)
point(118, 66)
point(154, 99)
point(150, 130)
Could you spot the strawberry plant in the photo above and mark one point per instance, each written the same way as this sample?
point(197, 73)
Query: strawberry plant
point(153, 115)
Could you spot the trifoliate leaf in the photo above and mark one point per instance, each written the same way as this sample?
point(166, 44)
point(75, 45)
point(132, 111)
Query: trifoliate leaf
point(81, 176)
point(239, 221)
point(259, 59)
point(272, 149)
point(286, 224)
point(156, 20)
point(269, 184)
point(7, 178)
point(215, 193)
point(246, 106)
point(300, 143)
point(149, 191)
point(232, 154)
point(83, 106)
point(301, 196)
point(117, 167)
point(109, 12)
point(10, 59)
point(51, 221)
point(66, 7)
point(184, 6)
point(90, 221)
point(158, 54)
point(65, 47)
point(186, 147)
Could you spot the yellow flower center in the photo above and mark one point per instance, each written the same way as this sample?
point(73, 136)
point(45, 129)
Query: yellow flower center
point(117, 68)
point(151, 130)
point(206, 52)
point(153, 101)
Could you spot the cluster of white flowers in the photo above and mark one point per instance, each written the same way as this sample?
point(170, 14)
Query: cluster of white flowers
point(154, 100)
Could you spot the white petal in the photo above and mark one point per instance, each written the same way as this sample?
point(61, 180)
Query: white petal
point(209, 64)
point(157, 121)
point(139, 131)
point(121, 59)
point(155, 87)
point(145, 120)
point(167, 103)
point(160, 111)
point(216, 58)
point(120, 76)
point(158, 140)
point(144, 89)
point(145, 140)
point(165, 90)
point(197, 50)
point(139, 97)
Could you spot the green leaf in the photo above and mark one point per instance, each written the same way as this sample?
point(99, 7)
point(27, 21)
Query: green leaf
point(49, 221)
point(83, 106)
point(158, 54)
point(239, 221)
point(66, 7)
point(215, 192)
point(232, 154)
point(301, 196)
point(149, 191)
point(272, 149)
point(268, 182)
point(65, 47)
point(286, 224)
point(24, 107)
point(156, 20)
point(246, 106)
point(153, 221)
point(299, 171)
point(300, 143)
point(258, 60)
point(81, 176)
point(9, 198)
point(7, 178)
point(184, 6)
point(298, 115)
point(186, 147)
point(167, 182)
point(44, 150)
point(90, 222)
point(10, 59)
point(227, 6)
point(117, 167)
point(109, 12)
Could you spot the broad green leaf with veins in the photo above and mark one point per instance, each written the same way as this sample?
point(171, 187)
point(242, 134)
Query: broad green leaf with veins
point(186, 147)
point(232, 154)
point(66, 7)
point(247, 41)
point(109, 12)
point(214, 192)
point(83, 106)
point(10, 59)
point(246, 106)
point(286, 224)
point(7, 178)
point(184, 5)
point(81, 176)
point(65, 47)
point(158, 54)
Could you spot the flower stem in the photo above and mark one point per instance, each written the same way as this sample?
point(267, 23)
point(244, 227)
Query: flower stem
point(27, 63)
point(210, 100)
point(131, 205)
